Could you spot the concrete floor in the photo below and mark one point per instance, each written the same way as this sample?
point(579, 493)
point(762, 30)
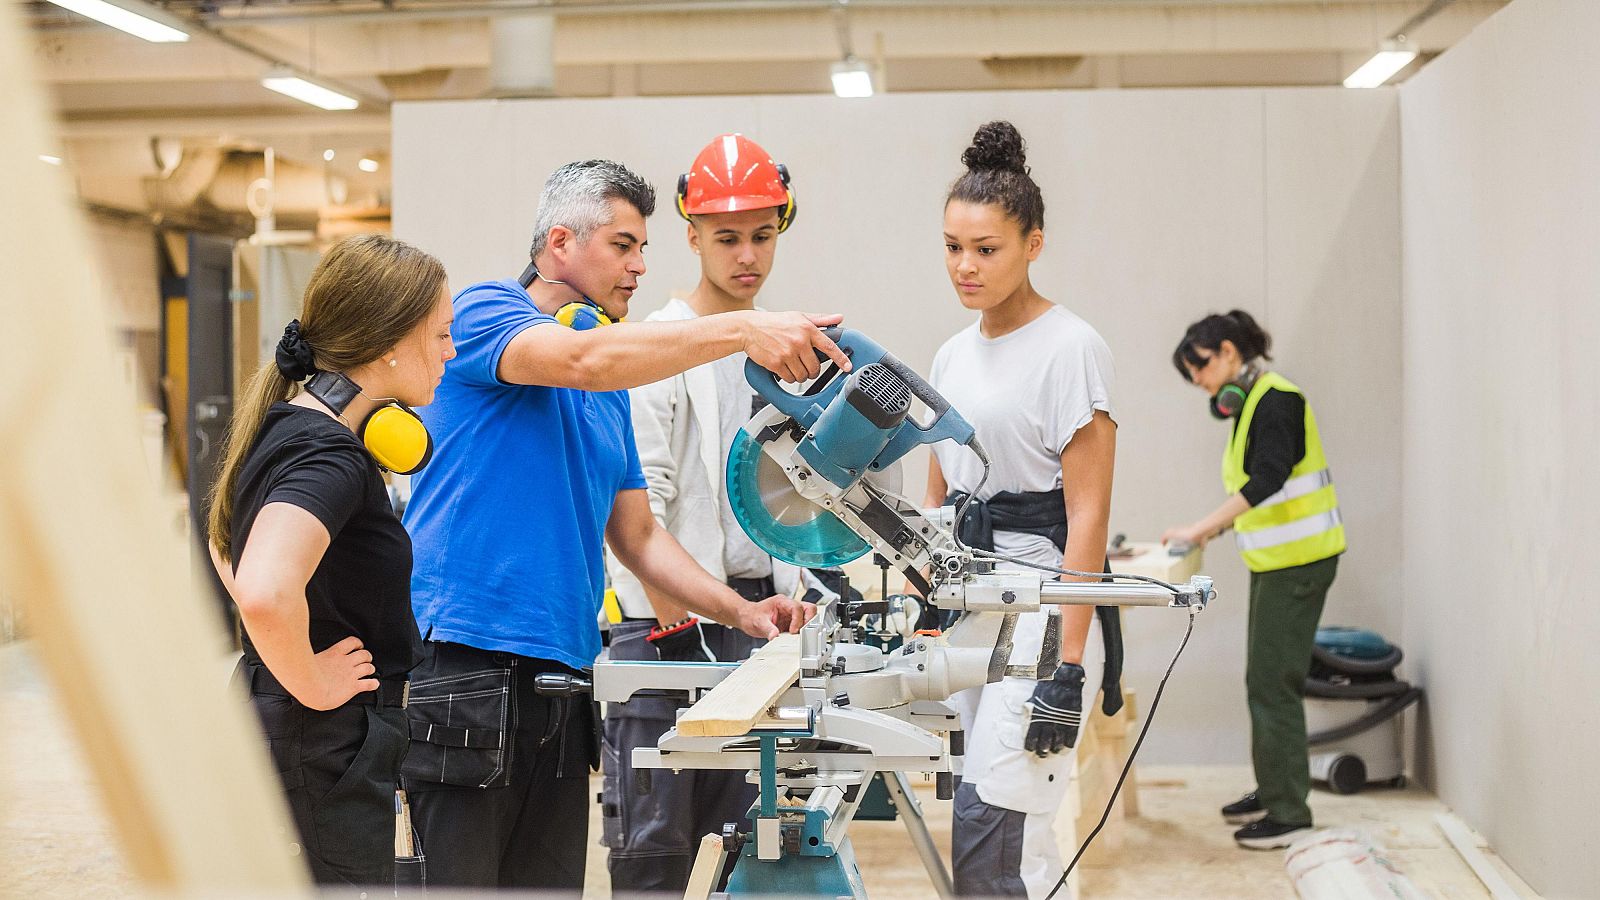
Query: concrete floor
point(55, 840)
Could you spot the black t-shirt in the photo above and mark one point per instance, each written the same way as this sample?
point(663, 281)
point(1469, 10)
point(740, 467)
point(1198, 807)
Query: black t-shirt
point(1275, 445)
point(362, 587)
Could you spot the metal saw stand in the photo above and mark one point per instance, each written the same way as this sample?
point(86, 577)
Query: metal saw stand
point(803, 850)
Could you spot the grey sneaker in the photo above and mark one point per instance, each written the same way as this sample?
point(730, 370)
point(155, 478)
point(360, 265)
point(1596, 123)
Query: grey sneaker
point(1244, 810)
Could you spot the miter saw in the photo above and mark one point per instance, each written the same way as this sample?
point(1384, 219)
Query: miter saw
point(812, 479)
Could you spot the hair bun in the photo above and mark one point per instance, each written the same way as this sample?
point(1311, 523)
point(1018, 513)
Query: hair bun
point(996, 145)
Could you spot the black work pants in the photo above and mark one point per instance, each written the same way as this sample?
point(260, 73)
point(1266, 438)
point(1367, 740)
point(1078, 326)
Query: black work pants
point(339, 770)
point(498, 779)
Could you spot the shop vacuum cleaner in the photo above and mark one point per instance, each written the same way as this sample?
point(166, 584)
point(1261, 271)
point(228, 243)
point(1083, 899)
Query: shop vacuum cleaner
point(1353, 706)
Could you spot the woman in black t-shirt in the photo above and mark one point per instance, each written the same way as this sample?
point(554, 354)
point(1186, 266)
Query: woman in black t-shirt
point(305, 540)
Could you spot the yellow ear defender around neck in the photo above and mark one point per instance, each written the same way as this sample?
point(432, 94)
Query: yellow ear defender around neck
point(579, 315)
point(392, 433)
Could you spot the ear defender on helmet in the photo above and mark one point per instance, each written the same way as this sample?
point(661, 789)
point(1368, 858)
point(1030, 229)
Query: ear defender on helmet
point(682, 195)
point(792, 207)
point(392, 433)
point(733, 174)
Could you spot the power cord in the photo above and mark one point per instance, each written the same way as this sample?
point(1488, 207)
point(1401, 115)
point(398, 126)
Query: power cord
point(1127, 766)
point(961, 516)
point(1097, 576)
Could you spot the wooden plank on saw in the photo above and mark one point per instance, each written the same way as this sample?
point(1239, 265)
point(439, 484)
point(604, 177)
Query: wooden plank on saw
point(731, 707)
point(130, 648)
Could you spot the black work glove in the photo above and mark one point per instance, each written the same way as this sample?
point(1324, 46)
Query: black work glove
point(1055, 711)
point(680, 642)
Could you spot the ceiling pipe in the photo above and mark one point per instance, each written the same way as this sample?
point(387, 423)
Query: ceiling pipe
point(434, 9)
point(1423, 15)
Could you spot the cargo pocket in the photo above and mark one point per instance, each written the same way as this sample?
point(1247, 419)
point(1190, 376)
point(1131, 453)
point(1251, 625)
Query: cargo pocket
point(349, 820)
point(461, 725)
point(1011, 726)
point(613, 818)
point(410, 863)
point(281, 721)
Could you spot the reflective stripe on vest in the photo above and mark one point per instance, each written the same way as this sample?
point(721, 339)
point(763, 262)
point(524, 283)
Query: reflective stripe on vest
point(1299, 487)
point(1298, 530)
point(1299, 524)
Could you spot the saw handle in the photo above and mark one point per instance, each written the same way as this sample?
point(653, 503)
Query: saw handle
point(862, 350)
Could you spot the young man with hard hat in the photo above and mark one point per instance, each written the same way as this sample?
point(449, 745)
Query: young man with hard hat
point(534, 469)
point(737, 201)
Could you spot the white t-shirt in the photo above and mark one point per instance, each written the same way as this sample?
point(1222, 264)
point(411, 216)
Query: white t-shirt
point(1026, 393)
point(741, 558)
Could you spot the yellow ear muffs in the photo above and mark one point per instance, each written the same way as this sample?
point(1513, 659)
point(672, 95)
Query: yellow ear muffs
point(397, 439)
point(786, 214)
point(683, 196)
point(582, 316)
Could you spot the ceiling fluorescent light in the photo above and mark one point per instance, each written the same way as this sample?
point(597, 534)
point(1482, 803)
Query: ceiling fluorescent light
point(138, 19)
point(1380, 68)
point(367, 164)
point(851, 78)
point(52, 160)
point(291, 85)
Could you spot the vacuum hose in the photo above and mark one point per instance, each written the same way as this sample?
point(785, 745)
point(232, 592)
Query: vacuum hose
point(1380, 714)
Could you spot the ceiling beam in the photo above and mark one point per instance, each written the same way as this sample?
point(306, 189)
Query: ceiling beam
point(342, 50)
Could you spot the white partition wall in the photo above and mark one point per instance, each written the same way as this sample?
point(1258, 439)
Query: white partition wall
point(1502, 426)
point(1161, 206)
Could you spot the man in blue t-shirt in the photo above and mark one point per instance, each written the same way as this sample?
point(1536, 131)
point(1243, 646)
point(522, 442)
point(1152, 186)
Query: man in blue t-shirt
point(534, 470)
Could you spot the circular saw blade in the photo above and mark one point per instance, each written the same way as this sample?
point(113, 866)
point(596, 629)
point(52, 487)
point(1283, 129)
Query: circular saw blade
point(777, 518)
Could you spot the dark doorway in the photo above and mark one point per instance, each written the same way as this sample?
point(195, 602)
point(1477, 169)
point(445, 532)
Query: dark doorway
point(210, 394)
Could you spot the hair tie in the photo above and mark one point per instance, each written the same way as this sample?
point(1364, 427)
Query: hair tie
point(295, 359)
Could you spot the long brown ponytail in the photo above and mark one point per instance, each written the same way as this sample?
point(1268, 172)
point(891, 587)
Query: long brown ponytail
point(366, 295)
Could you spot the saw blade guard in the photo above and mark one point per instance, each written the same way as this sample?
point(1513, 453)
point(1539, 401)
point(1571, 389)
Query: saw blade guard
point(773, 513)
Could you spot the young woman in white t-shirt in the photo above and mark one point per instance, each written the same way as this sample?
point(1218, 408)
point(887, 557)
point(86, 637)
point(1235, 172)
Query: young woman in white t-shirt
point(1035, 381)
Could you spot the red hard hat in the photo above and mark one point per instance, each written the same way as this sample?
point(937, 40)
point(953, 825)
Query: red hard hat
point(733, 174)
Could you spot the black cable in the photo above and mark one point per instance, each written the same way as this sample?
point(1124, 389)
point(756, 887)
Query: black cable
point(1097, 576)
point(1127, 766)
point(961, 511)
point(961, 516)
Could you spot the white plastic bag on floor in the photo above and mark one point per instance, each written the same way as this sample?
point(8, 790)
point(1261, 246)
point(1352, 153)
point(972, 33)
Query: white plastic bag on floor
point(1345, 864)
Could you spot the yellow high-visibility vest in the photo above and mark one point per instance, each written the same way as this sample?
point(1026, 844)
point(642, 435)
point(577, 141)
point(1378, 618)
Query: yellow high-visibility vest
point(1300, 524)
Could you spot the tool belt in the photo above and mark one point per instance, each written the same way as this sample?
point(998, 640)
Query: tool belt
point(1042, 513)
point(391, 692)
point(754, 589)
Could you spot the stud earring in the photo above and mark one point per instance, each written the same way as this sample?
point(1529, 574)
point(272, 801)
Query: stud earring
point(393, 363)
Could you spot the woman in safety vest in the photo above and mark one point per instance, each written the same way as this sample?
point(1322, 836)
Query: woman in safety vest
point(1282, 507)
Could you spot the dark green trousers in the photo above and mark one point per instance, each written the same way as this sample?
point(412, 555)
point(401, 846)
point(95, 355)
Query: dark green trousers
point(1284, 608)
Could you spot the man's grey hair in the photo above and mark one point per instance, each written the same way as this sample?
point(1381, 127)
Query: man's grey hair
point(578, 196)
